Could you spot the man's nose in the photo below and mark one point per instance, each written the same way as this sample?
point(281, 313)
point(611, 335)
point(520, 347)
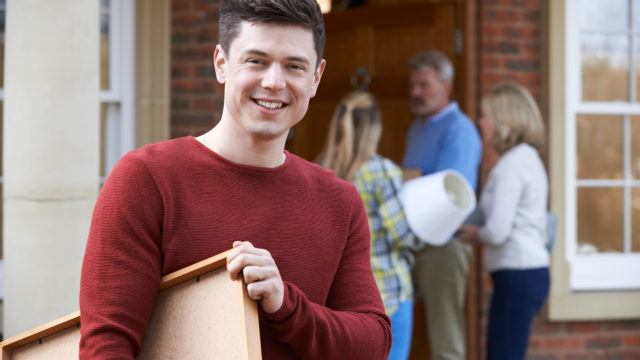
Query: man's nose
point(274, 78)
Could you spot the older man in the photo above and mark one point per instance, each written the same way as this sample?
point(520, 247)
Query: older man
point(442, 137)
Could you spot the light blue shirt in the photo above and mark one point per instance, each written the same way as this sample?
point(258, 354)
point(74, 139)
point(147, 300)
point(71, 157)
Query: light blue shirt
point(447, 140)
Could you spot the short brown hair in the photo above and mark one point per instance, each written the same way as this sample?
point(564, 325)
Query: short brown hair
point(305, 13)
point(436, 60)
point(516, 116)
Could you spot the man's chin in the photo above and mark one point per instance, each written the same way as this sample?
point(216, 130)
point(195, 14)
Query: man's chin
point(421, 114)
point(268, 134)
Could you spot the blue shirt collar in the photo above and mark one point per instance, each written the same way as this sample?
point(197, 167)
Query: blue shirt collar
point(452, 106)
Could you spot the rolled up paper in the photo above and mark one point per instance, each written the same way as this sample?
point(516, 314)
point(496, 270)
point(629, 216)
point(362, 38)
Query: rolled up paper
point(437, 204)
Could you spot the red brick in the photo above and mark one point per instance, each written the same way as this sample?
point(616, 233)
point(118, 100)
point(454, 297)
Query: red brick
point(583, 327)
point(622, 355)
point(178, 6)
point(623, 325)
point(205, 104)
point(632, 341)
point(591, 355)
point(181, 70)
point(603, 342)
point(200, 6)
point(563, 343)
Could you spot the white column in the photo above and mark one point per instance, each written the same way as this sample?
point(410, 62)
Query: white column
point(51, 155)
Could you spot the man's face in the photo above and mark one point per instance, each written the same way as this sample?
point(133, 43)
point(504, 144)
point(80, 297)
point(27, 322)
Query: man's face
point(429, 94)
point(270, 75)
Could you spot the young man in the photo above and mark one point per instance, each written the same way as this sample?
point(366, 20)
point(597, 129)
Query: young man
point(299, 235)
point(442, 137)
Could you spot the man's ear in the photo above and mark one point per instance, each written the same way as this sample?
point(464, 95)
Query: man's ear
point(317, 75)
point(449, 86)
point(220, 64)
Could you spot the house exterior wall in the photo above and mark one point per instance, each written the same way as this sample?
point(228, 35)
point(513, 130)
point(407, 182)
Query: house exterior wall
point(512, 47)
point(196, 97)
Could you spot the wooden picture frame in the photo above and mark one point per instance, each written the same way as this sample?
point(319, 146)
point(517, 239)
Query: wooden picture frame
point(199, 313)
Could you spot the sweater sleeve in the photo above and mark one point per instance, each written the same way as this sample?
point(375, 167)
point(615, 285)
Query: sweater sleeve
point(353, 324)
point(122, 264)
point(507, 188)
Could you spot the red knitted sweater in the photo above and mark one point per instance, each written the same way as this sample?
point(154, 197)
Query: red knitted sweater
point(171, 204)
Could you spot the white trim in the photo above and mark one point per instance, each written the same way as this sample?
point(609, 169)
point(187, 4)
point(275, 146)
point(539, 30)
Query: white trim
point(628, 176)
point(608, 108)
point(607, 183)
point(572, 93)
point(108, 97)
point(605, 272)
point(633, 47)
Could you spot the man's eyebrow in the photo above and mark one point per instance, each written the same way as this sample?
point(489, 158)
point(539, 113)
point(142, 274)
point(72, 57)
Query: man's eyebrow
point(299, 59)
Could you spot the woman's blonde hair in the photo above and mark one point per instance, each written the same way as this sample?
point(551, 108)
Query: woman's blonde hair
point(516, 116)
point(354, 134)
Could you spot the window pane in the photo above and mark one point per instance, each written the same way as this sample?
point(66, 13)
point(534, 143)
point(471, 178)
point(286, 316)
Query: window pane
point(635, 147)
point(605, 68)
point(600, 216)
point(104, 44)
point(600, 147)
point(636, 15)
point(604, 15)
point(635, 223)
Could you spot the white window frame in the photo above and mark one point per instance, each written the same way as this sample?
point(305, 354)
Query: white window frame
point(120, 96)
point(3, 7)
point(600, 271)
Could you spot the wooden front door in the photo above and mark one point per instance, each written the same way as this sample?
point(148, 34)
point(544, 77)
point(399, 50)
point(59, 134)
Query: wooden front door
point(381, 37)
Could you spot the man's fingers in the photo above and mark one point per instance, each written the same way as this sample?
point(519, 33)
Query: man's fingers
point(253, 274)
point(258, 290)
point(237, 262)
point(245, 247)
point(259, 271)
point(239, 243)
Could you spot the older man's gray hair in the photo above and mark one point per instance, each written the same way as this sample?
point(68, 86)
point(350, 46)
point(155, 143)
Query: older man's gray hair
point(435, 60)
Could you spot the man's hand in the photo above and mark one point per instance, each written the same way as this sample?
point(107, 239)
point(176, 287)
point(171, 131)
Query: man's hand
point(468, 234)
point(260, 272)
point(408, 174)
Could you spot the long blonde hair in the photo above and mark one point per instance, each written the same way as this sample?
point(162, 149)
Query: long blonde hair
point(354, 134)
point(516, 116)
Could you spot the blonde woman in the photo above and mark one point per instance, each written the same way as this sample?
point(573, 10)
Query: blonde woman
point(514, 203)
point(351, 152)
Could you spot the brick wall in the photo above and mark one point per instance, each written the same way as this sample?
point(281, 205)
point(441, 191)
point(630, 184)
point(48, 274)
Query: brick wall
point(512, 48)
point(196, 97)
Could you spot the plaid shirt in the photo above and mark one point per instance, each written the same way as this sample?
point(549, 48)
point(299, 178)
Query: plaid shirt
point(378, 181)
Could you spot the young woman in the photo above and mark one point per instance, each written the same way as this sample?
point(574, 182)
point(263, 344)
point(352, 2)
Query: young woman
point(514, 203)
point(351, 152)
